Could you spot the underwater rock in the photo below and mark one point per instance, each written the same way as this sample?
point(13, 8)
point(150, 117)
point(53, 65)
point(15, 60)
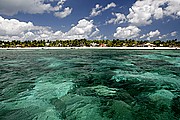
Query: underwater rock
point(162, 97)
point(122, 110)
point(112, 93)
point(104, 90)
point(119, 110)
point(49, 114)
point(124, 96)
point(20, 114)
point(119, 78)
point(84, 91)
point(162, 100)
point(176, 106)
point(59, 104)
point(81, 108)
point(95, 78)
point(146, 109)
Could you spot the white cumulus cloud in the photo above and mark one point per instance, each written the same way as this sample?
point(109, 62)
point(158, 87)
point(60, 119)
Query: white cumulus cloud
point(111, 5)
point(120, 18)
point(127, 32)
point(173, 33)
point(163, 36)
point(84, 29)
point(151, 34)
point(96, 11)
point(99, 9)
point(67, 11)
point(12, 29)
point(143, 12)
point(12, 7)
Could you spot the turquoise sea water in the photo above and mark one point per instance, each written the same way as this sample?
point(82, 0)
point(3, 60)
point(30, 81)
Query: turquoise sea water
point(89, 85)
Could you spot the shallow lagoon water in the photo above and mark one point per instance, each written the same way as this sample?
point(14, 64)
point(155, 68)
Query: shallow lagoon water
point(89, 85)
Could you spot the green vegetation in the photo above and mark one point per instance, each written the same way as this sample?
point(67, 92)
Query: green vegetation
point(87, 43)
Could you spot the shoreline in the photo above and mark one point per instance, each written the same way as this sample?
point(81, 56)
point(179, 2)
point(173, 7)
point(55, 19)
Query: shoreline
point(121, 48)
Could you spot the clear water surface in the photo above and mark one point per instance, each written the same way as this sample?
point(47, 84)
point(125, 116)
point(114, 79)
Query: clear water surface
point(89, 85)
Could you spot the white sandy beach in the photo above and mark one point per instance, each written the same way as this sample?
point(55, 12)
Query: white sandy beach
point(123, 48)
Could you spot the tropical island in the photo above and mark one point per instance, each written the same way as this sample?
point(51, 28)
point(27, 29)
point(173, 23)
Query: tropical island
point(89, 43)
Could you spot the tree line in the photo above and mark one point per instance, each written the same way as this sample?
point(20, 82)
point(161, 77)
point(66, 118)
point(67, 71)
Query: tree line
point(87, 43)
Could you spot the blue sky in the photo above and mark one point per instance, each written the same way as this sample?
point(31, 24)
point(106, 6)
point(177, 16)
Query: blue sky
point(90, 19)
